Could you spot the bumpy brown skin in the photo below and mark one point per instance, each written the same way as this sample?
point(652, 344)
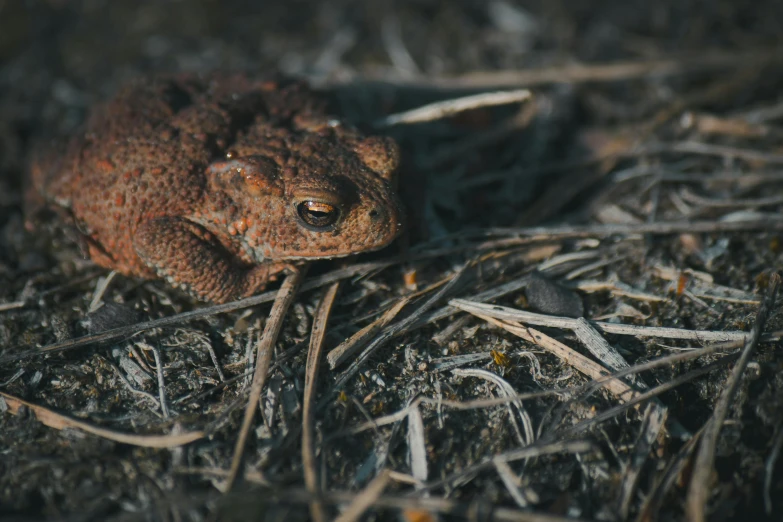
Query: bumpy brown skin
point(209, 182)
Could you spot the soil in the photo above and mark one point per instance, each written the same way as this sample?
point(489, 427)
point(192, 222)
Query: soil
point(640, 186)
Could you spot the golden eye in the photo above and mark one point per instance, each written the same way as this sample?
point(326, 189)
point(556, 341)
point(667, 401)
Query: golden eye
point(316, 215)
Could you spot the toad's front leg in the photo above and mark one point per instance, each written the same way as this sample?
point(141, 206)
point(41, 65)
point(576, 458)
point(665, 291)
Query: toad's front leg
point(187, 255)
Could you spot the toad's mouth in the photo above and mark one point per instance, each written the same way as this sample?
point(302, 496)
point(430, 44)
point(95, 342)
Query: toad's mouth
point(353, 246)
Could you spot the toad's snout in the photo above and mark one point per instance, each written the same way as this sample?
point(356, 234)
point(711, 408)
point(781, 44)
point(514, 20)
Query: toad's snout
point(388, 221)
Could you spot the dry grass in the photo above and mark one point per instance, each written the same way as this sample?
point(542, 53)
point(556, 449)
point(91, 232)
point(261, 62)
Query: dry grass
point(582, 323)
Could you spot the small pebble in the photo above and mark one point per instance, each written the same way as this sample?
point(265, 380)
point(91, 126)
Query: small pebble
point(549, 297)
point(110, 316)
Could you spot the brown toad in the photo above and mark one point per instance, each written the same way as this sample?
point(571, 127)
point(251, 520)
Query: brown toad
point(217, 183)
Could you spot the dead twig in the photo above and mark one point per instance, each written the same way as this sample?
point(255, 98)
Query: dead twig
point(284, 298)
point(351, 345)
point(702, 285)
point(538, 449)
point(506, 390)
point(511, 314)
point(698, 491)
point(397, 416)
point(693, 198)
point(164, 409)
point(608, 354)
point(317, 334)
point(60, 422)
point(668, 480)
point(13, 305)
point(652, 425)
point(525, 235)
point(444, 109)
point(584, 365)
point(130, 387)
point(769, 466)
point(618, 288)
point(707, 149)
point(602, 72)
point(417, 447)
point(365, 499)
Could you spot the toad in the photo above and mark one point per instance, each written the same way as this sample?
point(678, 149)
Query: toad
point(217, 183)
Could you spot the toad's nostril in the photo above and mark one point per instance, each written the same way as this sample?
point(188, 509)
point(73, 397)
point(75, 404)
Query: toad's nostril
point(374, 214)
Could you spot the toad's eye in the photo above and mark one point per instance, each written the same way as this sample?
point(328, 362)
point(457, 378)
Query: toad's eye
point(316, 215)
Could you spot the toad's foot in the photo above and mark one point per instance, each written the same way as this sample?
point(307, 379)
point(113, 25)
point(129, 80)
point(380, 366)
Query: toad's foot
point(188, 256)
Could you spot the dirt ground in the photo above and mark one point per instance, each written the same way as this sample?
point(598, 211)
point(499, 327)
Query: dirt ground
point(625, 217)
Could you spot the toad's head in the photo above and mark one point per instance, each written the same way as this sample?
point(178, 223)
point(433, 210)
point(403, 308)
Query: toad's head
point(315, 189)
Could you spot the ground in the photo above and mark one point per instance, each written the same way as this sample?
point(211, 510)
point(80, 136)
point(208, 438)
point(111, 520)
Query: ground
point(639, 186)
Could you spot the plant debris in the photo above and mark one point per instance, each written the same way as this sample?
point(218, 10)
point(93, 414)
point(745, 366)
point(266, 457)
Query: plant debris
point(581, 323)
